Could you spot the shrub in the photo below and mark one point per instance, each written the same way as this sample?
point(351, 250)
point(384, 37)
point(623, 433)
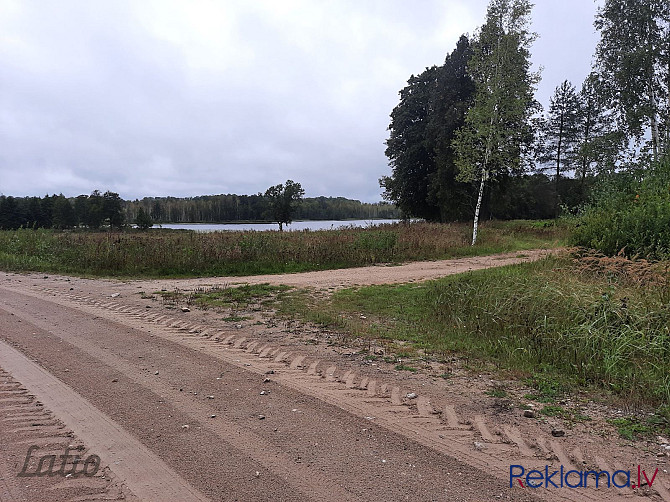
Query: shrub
point(631, 215)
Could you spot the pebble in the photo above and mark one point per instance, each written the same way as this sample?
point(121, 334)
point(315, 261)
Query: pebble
point(529, 413)
point(558, 433)
point(210, 397)
point(185, 309)
point(479, 446)
point(156, 373)
point(212, 416)
point(261, 417)
point(264, 392)
point(114, 380)
point(267, 380)
point(115, 295)
point(412, 395)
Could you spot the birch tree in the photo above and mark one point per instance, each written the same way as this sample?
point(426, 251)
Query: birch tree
point(496, 125)
point(633, 59)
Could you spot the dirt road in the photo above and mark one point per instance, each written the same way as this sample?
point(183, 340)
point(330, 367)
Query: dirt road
point(187, 406)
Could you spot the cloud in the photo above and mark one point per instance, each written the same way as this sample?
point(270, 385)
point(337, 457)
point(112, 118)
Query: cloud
point(166, 97)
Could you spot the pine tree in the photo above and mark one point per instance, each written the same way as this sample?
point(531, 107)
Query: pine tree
point(561, 133)
point(598, 143)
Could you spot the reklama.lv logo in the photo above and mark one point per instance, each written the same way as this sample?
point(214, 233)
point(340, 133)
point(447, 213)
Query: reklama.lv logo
point(560, 478)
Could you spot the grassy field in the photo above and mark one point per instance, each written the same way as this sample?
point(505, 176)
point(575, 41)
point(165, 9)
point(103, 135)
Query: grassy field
point(165, 253)
point(562, 323)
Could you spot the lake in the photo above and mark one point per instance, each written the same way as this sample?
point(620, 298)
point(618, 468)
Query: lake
point(296, 225)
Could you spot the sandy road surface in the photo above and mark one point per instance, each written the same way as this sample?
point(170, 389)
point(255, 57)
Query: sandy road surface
point(186, 406)
point(364, 276)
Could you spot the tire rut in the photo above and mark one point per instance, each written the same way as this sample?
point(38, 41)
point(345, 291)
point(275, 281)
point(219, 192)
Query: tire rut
point(437, 426)
point(30, 424)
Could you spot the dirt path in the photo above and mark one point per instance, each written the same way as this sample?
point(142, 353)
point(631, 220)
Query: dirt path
point(260, 410)
point(362, 276)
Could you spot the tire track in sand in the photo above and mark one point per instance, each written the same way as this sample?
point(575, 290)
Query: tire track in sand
point(145, 474)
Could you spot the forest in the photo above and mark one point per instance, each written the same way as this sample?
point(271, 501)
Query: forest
point(468, 138)
point(109, 210)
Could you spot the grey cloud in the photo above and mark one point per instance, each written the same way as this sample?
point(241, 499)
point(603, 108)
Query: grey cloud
point(119, 95)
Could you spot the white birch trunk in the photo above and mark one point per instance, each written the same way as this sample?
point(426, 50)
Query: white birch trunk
point(478, 207)
point(654, 122)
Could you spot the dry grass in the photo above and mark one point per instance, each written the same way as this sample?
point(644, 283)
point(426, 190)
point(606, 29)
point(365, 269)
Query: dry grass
point(628, 271)
point(164, 253)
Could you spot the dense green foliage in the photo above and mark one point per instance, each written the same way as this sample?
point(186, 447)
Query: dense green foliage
point(184, 253)
point(58, 212)
point(594, 328)
point(143, 220)
point(432, 108)
point(631, 215)
point(283, 199)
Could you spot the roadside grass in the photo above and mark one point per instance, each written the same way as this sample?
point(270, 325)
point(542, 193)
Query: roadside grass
point(168, 253)
point(636, 427)
point(243, 297)
point(557, 324)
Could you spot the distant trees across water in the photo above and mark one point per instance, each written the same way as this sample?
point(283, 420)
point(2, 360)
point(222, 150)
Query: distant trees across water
point(108, 210)
point(231, 208)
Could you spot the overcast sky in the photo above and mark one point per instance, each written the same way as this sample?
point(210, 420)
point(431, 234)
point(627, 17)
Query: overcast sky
point(184, 98)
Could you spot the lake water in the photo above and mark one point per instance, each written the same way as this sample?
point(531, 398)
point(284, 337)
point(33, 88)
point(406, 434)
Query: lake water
point(296, 225)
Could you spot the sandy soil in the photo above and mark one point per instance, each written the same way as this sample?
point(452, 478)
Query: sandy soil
point(184, 405)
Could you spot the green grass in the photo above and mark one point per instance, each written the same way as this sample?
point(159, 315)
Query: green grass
point(552, 410)
point(241, 297)
point(632, 428)
point(165, 253)
point(497, 391)
point(547, 388)
point(562, 328)
point(570, 415)
point(404, 367)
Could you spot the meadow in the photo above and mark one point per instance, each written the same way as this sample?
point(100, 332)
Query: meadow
point(575, 321)
point(166, 253)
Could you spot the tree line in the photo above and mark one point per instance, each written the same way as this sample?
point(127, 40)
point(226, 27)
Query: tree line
point(232, 208)
point(469, 139)
point(109, 210)
point(59, 212)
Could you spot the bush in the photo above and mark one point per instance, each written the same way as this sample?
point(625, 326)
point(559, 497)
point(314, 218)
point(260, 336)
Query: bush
point(631, 215)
